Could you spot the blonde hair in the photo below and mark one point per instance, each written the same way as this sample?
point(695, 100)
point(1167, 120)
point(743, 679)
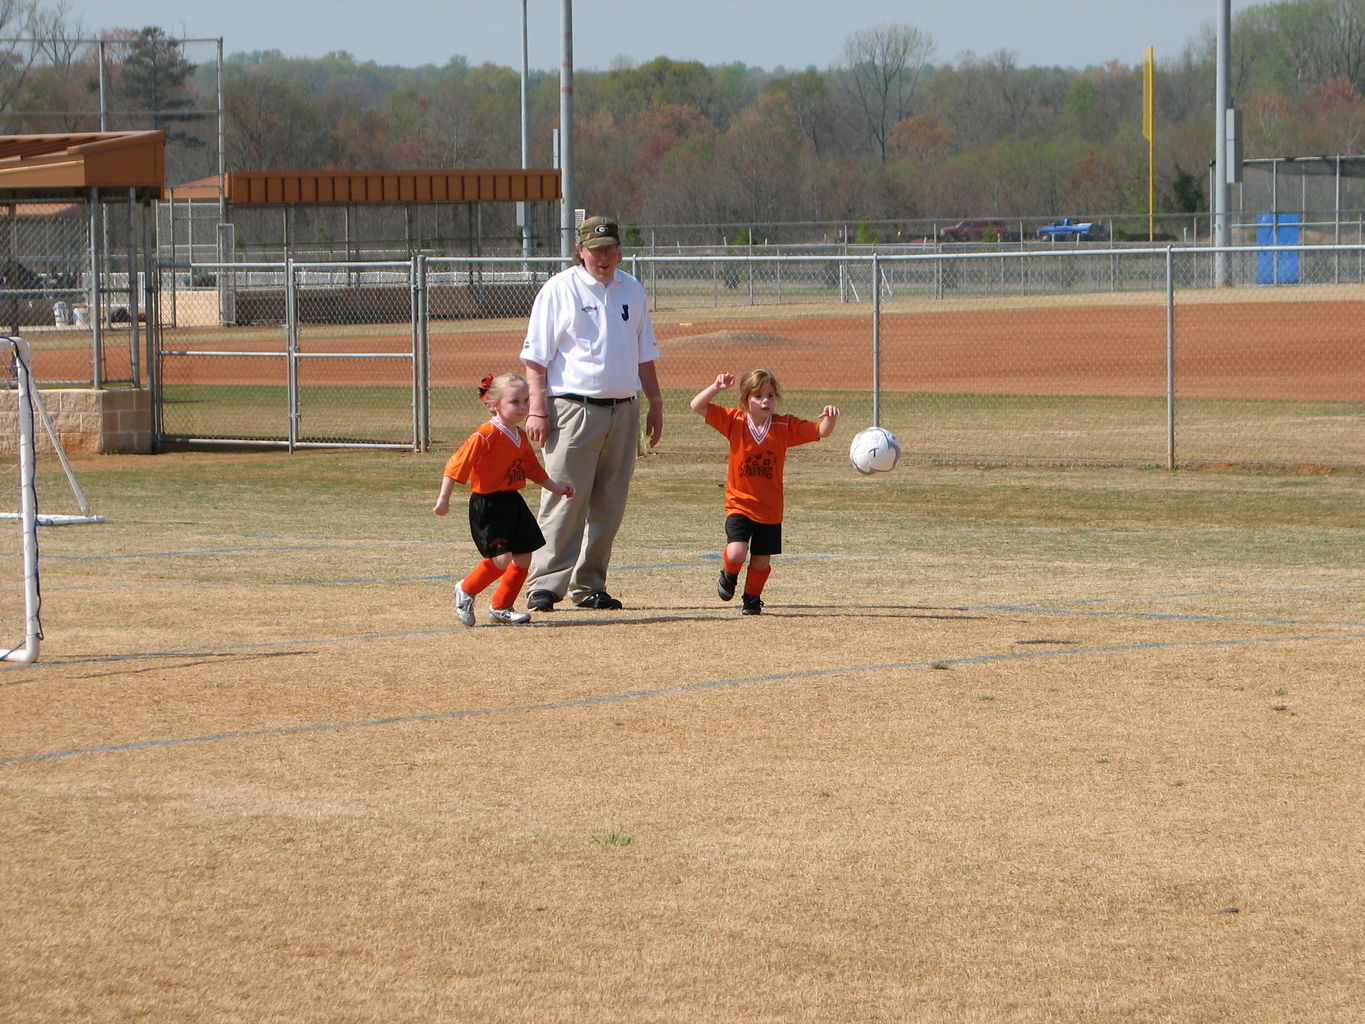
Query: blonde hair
point(491, 387)
point(753, 381)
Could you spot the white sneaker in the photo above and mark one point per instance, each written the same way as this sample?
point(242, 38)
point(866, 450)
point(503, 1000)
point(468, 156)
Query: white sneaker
point(464, 606)
point(508, 616)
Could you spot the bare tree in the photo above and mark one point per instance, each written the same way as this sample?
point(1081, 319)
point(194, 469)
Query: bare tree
point(1344, 45)
point(1295, 47)
point(54, 44)
point(808, 94)
point(882, 71)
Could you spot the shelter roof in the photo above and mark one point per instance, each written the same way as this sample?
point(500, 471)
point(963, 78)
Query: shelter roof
point(1346, 166)
point(68, 166)
point(200, 188)
point(282, 188)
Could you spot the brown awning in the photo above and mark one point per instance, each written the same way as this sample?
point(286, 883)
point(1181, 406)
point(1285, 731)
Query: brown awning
point(68, 166)
point(282, 188)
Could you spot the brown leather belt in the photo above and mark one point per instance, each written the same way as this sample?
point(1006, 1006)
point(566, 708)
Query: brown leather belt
point(597, 401)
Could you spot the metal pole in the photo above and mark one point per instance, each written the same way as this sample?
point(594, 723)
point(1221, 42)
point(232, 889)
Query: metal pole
point(134, 338)
point(154, 350)
point(566, 215)
point(291, 346)
point(1221, 192)
point(92, 302)
point(417, 280)
point(524, 207)
point(222, 155)
point(876, 343)
point(1336, 225)
point(104, 106)
point(151, 301)
point(12, 211)
point(1170, 361)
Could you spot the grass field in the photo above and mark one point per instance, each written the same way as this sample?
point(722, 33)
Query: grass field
point(1023, 745)
point(1055, 429)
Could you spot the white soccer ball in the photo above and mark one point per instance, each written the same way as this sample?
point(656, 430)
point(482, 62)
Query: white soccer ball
point(874, 450)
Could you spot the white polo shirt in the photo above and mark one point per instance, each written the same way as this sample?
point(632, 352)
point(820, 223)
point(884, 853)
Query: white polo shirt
point(591, 337)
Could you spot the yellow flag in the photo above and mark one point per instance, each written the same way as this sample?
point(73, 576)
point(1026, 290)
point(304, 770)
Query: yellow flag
point(1148, 74)
point(1149, 133)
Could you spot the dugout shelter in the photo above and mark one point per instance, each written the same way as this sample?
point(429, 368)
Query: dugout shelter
point(207, 231)
point(75, 234)
point(359, 214)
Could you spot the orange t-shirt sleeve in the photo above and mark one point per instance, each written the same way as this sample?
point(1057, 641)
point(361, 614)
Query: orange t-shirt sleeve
point(804, 431)
point(462, 462)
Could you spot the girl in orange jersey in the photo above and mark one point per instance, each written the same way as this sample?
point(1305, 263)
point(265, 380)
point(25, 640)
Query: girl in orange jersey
point(759, 439)
point(496, 461)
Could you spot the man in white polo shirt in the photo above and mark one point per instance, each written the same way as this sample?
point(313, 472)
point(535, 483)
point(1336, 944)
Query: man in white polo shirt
point(589, 349)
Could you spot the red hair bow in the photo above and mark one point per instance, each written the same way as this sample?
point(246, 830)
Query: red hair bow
point(485, 384)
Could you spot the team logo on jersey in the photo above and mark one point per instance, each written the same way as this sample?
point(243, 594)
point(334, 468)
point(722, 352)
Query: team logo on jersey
point(759, 464)
point(516, 475)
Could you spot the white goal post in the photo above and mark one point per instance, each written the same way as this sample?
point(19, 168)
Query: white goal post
point(22, 411)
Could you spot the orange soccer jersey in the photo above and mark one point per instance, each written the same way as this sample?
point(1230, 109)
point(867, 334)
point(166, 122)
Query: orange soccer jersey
point(490, 460)
point(753, 480)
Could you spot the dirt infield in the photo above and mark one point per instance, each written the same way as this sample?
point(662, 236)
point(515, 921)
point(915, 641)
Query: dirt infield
point(1245, 351)
point(1250, 350)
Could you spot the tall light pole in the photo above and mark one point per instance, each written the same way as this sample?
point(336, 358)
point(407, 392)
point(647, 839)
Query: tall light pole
point(524, 207)
point(1221, 169)
point(566, 217)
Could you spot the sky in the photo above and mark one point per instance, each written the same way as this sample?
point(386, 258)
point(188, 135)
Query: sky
point(791, 34)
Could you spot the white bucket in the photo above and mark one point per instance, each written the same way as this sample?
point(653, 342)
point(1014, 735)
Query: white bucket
point(80, 315)
point(61, 314)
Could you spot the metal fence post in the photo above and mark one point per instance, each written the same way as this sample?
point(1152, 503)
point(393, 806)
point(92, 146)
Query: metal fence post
point(130, 254)
point(876, 342)
point(1170, 360)
point(151, 305)
point(421, 385)
point(92, 301)
point(154, 350)
point(751, 266)
point(291, 348)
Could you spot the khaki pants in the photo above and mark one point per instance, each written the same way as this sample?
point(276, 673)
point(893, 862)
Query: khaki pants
point(592, 447)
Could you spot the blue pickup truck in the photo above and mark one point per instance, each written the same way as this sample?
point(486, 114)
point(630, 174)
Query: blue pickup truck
point(1067, 229)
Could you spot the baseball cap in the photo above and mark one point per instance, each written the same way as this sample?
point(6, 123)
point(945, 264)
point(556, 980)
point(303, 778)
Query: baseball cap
point(598, 231)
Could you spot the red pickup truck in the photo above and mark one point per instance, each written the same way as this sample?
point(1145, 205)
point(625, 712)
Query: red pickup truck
point(978, 231)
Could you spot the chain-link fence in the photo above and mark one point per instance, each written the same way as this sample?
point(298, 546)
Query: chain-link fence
point(1094, 356)
point(44, 263)
point(70, 283)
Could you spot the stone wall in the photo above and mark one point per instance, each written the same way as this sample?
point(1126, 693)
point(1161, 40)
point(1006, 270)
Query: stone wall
point(88, 422)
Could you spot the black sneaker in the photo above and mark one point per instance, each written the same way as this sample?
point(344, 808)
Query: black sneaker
point(753, 605)
point(540, 601)
point(599, 600)
point(726, 586)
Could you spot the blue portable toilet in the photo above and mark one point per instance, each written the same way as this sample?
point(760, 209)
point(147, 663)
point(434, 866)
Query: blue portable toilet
point(1277, 267)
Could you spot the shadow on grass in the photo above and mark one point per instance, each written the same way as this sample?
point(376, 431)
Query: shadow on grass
point(642, 617)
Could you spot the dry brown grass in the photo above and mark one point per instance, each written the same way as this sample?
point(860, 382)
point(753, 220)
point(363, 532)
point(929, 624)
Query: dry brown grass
point(1024, 746)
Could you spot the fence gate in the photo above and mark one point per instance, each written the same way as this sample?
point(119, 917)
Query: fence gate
point(322, 355)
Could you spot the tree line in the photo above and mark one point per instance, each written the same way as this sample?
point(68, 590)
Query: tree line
point(888, 132)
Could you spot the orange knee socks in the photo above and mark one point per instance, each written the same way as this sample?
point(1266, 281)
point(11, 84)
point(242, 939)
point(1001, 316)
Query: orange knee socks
point(483, 574)
point(480, 577)
point(753, 582)
point(512, 579)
